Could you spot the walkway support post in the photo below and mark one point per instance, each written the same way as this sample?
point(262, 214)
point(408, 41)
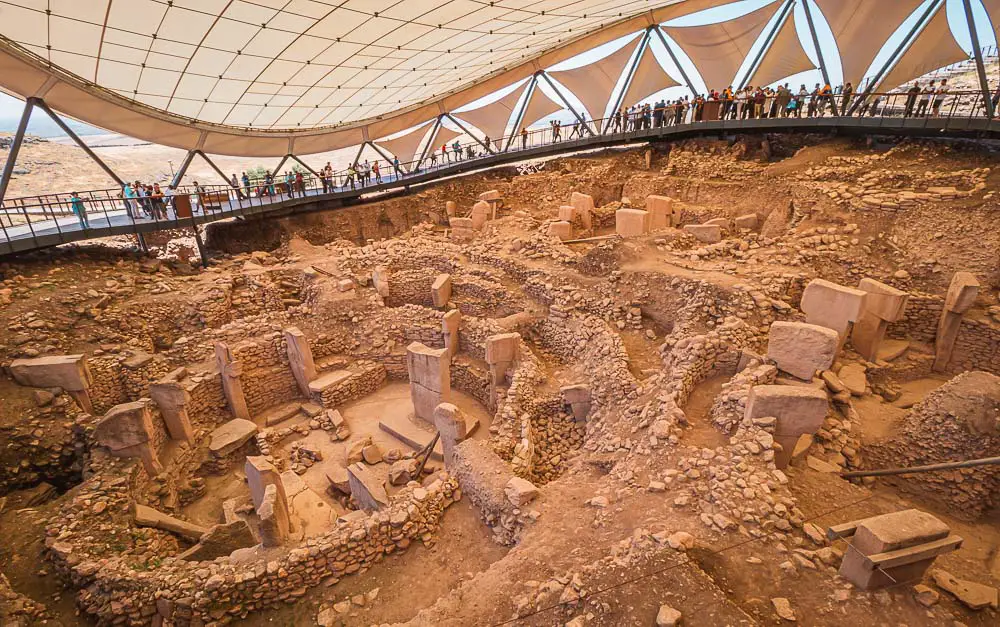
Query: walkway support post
point(640, 50)
point(562, 97)
point(529, 91)
point(181, 171)
point(980, 66)
point(430, 140)
point(469, 133)
point(874, 84)
point(673, 57)
point(819, 54)
point(22, 127)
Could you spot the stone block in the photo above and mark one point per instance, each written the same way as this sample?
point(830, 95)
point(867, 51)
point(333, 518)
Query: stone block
point(961, 295)
point(561, 229)
point(832, 306)
point(797, 410)
point(502, 348)
point(300, 358)
point(450, 323)
point(231, 436)
point(425, 400)
point(520, 491)
point(578, 397)
point(631, 222)
point(146, 516)
point(461, 228)
point(274, 519)
point(660, 209)
point(230, 371)
point(722, 223)
point(451, 424)
point(450, 208)
point(567, 213)
point(492, 194)
point(441, 290)
point(380, 279)
point(584, 205)
point(220, 541)
point(748, 221)
point(345, 285)
point(367, 489)
point(800, 349)
point(707, 233)
point(69, 372)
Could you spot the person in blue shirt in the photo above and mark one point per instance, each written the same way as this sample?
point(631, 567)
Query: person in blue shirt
point(79, 210)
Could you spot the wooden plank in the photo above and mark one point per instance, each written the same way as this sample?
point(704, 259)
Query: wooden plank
point(909, 555)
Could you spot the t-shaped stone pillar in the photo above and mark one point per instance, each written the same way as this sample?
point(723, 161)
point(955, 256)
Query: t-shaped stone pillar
point(430, 378)
point(68, 372)
point(584, 206)
point(661, 212)
point(962, 294)
point(172, 399)
point(127, 431)
point(450, 324)
point(578, 398)
point(892, 549)
point(883, 304)
point(796, 410)
point(260, 474)
point(832, 306)
point(230, 371)
point(441, 290)
point(450, 423)
point(380, 279)
point(300, 358)
point(274, 518)
point(501, 352)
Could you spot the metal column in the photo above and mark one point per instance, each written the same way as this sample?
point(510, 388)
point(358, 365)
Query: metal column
point(980, 66)
point(22, 127)
point(640, 50)
point(469, 133)
point(194, 226)
point(430, 140)
point(673, 57)
point(579, 117)
point(529, 91)
point(819, 51)
point(183, 169)
point(903, 45)
point(201, 154)
point(768, 41)
point(79, 142)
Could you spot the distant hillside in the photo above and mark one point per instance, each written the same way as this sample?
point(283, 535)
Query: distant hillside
point(43, 126)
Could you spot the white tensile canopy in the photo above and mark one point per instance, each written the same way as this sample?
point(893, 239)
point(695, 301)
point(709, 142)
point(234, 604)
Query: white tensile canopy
point(272, 77)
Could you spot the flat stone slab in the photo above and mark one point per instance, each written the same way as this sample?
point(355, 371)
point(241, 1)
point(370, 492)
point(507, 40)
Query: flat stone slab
point(367, 489)
point(329, 379)
point(148, 517)
point(892, 349)
point(975, 595)
point(409, 433)
point(220, 541)
point(281, 414)
point(231, 436)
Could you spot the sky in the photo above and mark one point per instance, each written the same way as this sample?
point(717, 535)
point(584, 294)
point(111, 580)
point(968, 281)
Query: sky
point(10, 108)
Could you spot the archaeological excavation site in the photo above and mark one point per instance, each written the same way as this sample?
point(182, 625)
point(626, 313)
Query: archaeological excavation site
point(752, 380)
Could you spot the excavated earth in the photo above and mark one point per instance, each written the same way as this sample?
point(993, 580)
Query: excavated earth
point(662, 494)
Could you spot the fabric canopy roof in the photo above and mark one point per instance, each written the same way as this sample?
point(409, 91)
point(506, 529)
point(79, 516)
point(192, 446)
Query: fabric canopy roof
point(405, 146)
point(538, 107)
point(934, 47)
point(783, 58)
point(649, 78)
point(861, 28)
point(594, 83)
point(718, 50)
point(261, 78)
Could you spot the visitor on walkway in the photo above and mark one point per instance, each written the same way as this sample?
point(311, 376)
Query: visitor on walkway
point(524, 138)
point(352, 173)
point(925, 99)
point(395, 166)
point(168, 199)
point(486, 142)
point(911, 99)
point(130, 201)
point(156, 198)
point(198, 199)
point(845, 98)
point(378, 173)
point(939, 96)
point(575, 130)
point(457, 149)
point(300, 183)
point(246, 184)
point(269, 183)
point(290, 184)
point(444, 154)
point(76, 204)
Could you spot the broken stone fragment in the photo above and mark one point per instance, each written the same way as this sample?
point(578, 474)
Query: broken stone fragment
point(403, 471)
point(520, 491)
point(783, 608)
point(668, 617)
point(974, 595)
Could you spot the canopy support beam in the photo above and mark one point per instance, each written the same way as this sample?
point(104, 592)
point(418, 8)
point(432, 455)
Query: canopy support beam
point(529, 91)
point(430, 139)
point(8, 167)
point(677, 64)
point(181, 171)
point(980, 66)
point(768, 42)
point(305, 165)
point(79, 142)
point(891, 61)
point(229, 182)
point(467, 132)
point(819, 51)
point(582, 120)
point(277, 171)
point(399, 171)
point(640, 50)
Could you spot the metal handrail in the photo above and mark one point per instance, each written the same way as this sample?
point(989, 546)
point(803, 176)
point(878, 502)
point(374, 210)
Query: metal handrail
point(216, 201)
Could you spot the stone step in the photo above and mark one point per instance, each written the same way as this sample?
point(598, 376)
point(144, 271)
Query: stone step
point(417, 437)
point(892, 349)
